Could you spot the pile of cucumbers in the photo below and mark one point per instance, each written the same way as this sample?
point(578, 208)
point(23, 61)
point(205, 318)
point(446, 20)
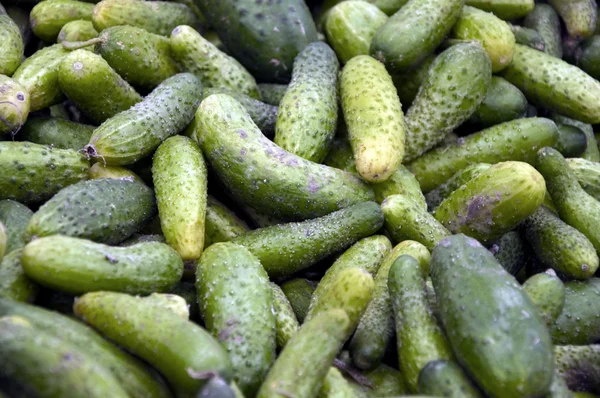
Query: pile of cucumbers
point(299, 199)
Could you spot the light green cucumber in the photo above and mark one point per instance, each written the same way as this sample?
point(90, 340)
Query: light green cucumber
point(449, 95)
point(213, 67)
point(373, 115)
point(285, 318)
point(528, 37)
point(272, 93)
point(57, 132)
point(588, 175)
point(503, 102)
point(579, 367)
point(15, 218)
point(409, 82)
point(505, 9)
point(98, 171)
point(547, 292)
point(171, 302)
point(437, 196)
point(14, 284)
point(299, 292)
point(335, 385)
point(572, 141)
point(14, 105)
point(591, 151)
point(580, 16)
point(79, 30)
point(48, 17)
point(308, 112)
point(95, 88)
point(11, 47)
point(446, 379)
point(221, 224)
point(544, 20)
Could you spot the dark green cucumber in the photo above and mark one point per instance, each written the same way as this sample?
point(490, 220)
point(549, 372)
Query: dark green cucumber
point(446, 379)
point(503, 102)
point(14, 105)
point(544, 20)
point(437, 196)
point(11, 47)
point(79, 30)
point(48, 366)
point(313, 239)
point(475, 294)
point(336, 385)
point(572, 141)
point(278, 183)
point(448, 96)
point(105, 210)
point(14, 284)
point(272, 93)
point(414, 32)
point(528, 37)
point(588, 175)
point(235, 300)
point(285, 318)
point(587, 56)
point(515, 140)
point(511, 251)
point(264, 36)
point(505, 9)
point(48, 17)
point(95, 88)
point(592, 151)
point(299, 292)
point(547, 292)
point(57, 132)
point(580, 367)
point(580, 16)
point(221, 224)
point(33, 173)
point(130, 135)
point(181, 350)
point(159, 17)
point(15, 218)
point(308, 112)
point(20, 16)
point(409, 82)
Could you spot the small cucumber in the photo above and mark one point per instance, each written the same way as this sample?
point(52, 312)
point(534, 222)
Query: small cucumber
point(179, 349)
point(494, 202)
point(213, 67)
point(11, 46)
point(588, 175)
point(414, 32)
point(33, 173)
point(437, 196)
point(299, 292)
point(475, 294)
point(48, 17)
point(14, 105)
point(511, 252)
point(335, 385)
point(554, 84)
point(409, 82)
point(446, 379)
point(57, 132)
point(449, 95)
point(236, 303)
point(517, 140)
point(580, 16)
point(14, 284)
point(545, 20)
point(278, 183)
point(98, 171)
point(505, 9)
point(373, 115)
point(15, 218)
point(503, 102)
point(572, 141)
point(383, 381)
point(587, 56)
point(130, 135)
point(591, 151)
point(79, 30)
point(285, 318)
point(313, 239)
point(94, 87)
point(78, 266)
point(579, 366)
point(547, 292)
point(272, 93)
point(221, 224)
point(528, 37)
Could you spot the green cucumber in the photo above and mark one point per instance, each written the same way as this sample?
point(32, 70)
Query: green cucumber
point(48, 17)
point(33, 173)
point(446, 379)
point(14, 284)
point(587, 56)
point(572, 141)
point(236, 303)
point(278, 183)
point(528, 37)
point(503, 102)
point(15, 218)
point(580, 16)
point(272, 93)
point(494, 202)
point(11, 47)
point(221, 224)
point(544, 20)
point(547, 292)
point(79, 30)
point(335, 385)
point(14, 105)
point(475, 295)
point(313, 239)
point(588, 175)
point(130, 135)
point(3, 240)
point(414, 32)
point(181, 350)
point(57, 132)
point(591, 151)
point(448, 97)
point(511, 252)
point(505, 9)
point(216, 387)
point(94, 87)
point(438, 195)
point(515, 140)
point(171, 302)
point(213, 67)
point(409, 82)
point(299, 292)
point(98, 171)
point(285, 318)
point(308, 112)
point(579, 367)
point(373, 115)
point(20, 16)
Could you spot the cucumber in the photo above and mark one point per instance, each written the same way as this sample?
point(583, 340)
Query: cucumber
point(588, 175)
point(505, 9)
point(547, 292)
point(48, 17)
point(130, 135)
point(98, 171)
point(494, 202)
point(79, 30)
point(14, 284)
point(57, 132)
point(313, 239)
point(304, 362)
point(528, 37)
point(11, 47)
point(579, 366)
point(285, 318)
point(299, 292)
point(178, 348)
point(587, 56)
point(15, 218)
point(33, 173)
point(159, 17)
point(420, 339)
point(308, 112)
point(437, 196)
point(45, 365)
point(221, 224)
point(3, 240)
point(409, 82)
point(272, 93)
point(351, 25)
point(373, 115)
point(216, 387)
point(170, 302)
point(94, 87)
point(446, 379)
point(335, 385)
point(14, 105)
point(279, 183)
point(475, 294)
point(572, 141)
point(511, 252)
point(236, 303)
point(580, 16)
point(554, 84)
point(213, 67)
point(20, 16)
point(559, 388)
point(517, 140)
point(264, 36)
point(448, 97)
point(591, 151)
point(503, 102)
point(544, 20)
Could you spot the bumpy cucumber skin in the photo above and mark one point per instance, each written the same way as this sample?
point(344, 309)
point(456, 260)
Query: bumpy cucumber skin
point(285, 318)
point(414, 32)
point(517, 140)
point(494, 202)
point(528, 37)
point(350, 26)
point(130, 135)
point(95, 87)
point(173, 345)
point(98, 171)
point(308, 112)
point(11, 46)
point(14, 284)
point(299, 292)
point(180, 183)
point(580, 16)
point(33, 173)
point(221, 224)
point(554, 84)
point(505, 9)
point(279, 183)
point(503, 102)
point(579, 367)
point(272, 93)
point(446, 379)
point(48, 17)
point(58, 132)
point(547, 292)
point(320, 340)
point(374, 117)
point(587, 56)
point(468, 280)
point(15, 218)
point(437, 196)
point(545, 20)
point(14, 105)
point(48, 366)
point(213, 67)
point(236, 304)
point(592, 151)
point(588, 175)
point(449, 95)
point(77, 31)
point(313, 239)
point(511, 251)
point(142, 58)
point(409, 82)
point(105, 210)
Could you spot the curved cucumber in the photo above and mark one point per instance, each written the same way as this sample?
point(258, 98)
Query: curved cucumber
point(544, 20)
point(14, 284)
point(15, 218)
point(580, 16)
point(11, 46)
point(547, 292)
point(79, 30)
point(503, 102)
point(57, 132)
point(48, 17)
point(446, 379)
point(14, 105)
point(285, 318)
point(528, 37)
